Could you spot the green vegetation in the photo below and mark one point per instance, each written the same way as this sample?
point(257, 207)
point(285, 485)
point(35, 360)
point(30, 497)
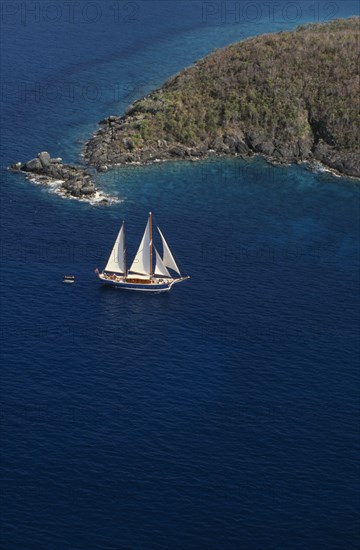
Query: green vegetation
point(280, 94)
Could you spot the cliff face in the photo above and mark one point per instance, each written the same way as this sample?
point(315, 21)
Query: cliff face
point(292, 96)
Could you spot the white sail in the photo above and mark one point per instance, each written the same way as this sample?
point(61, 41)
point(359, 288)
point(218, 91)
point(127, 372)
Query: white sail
point(168, 259)
point(116, 261)
point(160, 268)
point(141, 263)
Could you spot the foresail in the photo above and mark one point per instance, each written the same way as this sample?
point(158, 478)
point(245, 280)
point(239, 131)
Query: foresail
point(168, 259)
point(160, 268)
point(141, 263)
point(116, 263)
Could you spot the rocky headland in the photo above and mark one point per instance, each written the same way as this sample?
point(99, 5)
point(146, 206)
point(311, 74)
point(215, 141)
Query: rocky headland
point(290, 96)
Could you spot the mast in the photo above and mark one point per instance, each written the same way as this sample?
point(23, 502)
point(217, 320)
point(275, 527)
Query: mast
point(151, 247)
point(124, 250)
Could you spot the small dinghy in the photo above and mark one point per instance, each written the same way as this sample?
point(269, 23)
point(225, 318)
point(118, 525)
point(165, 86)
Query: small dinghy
point(69, 279)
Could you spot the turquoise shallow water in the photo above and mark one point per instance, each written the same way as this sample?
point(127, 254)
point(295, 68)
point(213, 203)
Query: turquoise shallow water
point(222, 415)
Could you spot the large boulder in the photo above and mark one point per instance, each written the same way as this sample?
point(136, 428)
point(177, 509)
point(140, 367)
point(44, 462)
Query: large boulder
point(242, 148)
point(88, 189)
point(44, 158)
point(33, 165)
point(265, 147)
point(283, 151)
point(259, 143)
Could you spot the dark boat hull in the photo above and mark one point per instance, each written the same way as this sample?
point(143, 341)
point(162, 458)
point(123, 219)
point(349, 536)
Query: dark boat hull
point(154, 286)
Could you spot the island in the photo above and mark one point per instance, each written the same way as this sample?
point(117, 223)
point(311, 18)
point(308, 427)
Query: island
point(291, 96)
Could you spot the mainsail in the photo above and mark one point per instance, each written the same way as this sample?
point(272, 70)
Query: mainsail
point(141, 263)
point(160, 268)
point(116, 261)
point(168, 259)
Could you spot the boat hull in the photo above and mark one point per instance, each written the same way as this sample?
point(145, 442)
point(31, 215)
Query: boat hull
point(154, 286)
point(135, 286)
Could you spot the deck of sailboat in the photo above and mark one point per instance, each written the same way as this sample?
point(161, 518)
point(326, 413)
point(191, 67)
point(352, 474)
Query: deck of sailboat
point(131, 280)
point(147, 285)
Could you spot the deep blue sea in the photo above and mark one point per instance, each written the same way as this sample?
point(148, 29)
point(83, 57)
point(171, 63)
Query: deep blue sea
point(223, 415)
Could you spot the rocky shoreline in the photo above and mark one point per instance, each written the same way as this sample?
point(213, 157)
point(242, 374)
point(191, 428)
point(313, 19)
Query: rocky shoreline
point(108, 147)
point(70, 181)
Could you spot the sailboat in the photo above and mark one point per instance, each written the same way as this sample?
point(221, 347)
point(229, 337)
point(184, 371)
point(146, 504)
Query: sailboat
point(149, 270)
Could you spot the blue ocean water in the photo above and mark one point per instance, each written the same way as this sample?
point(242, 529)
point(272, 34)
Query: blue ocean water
point(222, 415)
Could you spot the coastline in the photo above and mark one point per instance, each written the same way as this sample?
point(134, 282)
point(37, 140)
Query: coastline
point(248, 98)
point(312, 163)
point(168, 124)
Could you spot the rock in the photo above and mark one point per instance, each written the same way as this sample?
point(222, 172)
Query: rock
point(109, 120)
point(283, 152)
point(146, 156)
point(128, 144)
point(259, 143)
point(218, 145)
point(125, 158)
point(100, 158)
point(75, 180)
point(177, 152)
point(33, 165)
point(242, 148)
point(231, 142)
point(265, 147)
point(202, 151)
point(103, 168)
point(88, 190)
point(44, 158)
point(304, 148)
point(320, 150)
point(344, 162)
point(54, 171)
